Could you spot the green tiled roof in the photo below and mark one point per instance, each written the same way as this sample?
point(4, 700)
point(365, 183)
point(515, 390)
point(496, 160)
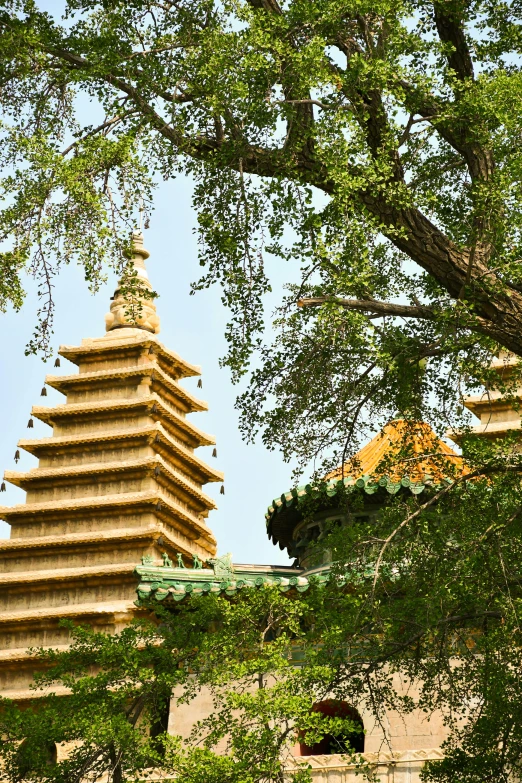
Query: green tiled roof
point(159, 583)
point(364, 483)
point(284, 512)
point(166, 582)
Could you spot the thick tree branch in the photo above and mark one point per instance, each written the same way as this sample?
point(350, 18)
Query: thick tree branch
point(451, 31)
point(495, 314)
point(466, 319)
point(255, 159)
point(372, 306)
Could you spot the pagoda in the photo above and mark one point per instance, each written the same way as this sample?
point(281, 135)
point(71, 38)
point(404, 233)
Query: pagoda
point(499, 407)
point(118, 482)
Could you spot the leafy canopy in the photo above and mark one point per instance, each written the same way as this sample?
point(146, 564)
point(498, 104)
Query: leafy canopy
point(375, 148)
point(120, 689)
point(422, 615)
point(373, 145)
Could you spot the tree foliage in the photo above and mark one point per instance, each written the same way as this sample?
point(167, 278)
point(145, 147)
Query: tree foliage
point(375, 146)
point(113, 719)
point(421, 615)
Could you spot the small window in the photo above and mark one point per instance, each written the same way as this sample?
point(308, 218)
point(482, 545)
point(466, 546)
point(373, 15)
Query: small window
point(341, 743)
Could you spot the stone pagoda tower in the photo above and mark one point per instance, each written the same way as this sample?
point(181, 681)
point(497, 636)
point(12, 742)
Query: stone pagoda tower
point(118, 482)
point(500, 413)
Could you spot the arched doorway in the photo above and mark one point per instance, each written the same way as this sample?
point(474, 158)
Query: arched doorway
point(33, 756)
point(349, 742)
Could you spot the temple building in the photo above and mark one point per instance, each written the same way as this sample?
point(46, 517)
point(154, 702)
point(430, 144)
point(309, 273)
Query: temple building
point(116, 517)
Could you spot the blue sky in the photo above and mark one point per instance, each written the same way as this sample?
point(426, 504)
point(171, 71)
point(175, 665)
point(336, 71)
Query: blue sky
point(193, 326)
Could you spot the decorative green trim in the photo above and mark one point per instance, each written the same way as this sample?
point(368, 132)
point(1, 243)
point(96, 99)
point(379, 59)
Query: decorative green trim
point(365, 483)
point(161, 582)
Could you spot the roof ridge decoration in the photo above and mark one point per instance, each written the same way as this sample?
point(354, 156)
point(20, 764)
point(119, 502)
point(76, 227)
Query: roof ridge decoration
point(133, 301)
point(166, 581)
point(159, 582)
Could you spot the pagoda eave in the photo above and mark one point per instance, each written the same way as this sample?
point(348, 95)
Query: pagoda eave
point(154, 433)
point(494, 401)
point(145, 466)
point(19, 654)
point(156, 501)
point(489, 430)
point(60, 413)
point(53, 613)
point(64, 383)
point(83, 573)
point(105, 345)
point(156, 534)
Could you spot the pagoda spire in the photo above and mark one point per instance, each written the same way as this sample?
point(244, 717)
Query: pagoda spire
point(133, 305)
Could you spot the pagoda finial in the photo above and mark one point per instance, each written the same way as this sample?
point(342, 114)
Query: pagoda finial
point(133, 305)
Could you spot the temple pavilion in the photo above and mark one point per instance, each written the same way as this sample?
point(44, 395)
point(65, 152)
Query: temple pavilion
point(115, 516)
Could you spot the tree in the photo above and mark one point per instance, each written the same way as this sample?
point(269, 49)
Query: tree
point(384, 135)
point(113, 720)
point(427, 593)
point(376, 145)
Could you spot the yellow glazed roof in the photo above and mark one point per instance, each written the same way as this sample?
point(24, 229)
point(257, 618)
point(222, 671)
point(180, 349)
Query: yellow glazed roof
point(403, 448)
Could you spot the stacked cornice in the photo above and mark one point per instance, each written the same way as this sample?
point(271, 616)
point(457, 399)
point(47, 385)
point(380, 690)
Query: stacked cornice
point(499, 408)
point(118, 481)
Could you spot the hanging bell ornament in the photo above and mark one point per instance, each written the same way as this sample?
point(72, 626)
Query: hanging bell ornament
point(200, 384)
point(2, 487)
point(30, 424)
point(43, 393)
point(17, 455)
point(56, 362)
point(222, 490)
point(214, 452)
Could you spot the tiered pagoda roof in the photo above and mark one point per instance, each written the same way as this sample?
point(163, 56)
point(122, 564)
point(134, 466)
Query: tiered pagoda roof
point(117, 481)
